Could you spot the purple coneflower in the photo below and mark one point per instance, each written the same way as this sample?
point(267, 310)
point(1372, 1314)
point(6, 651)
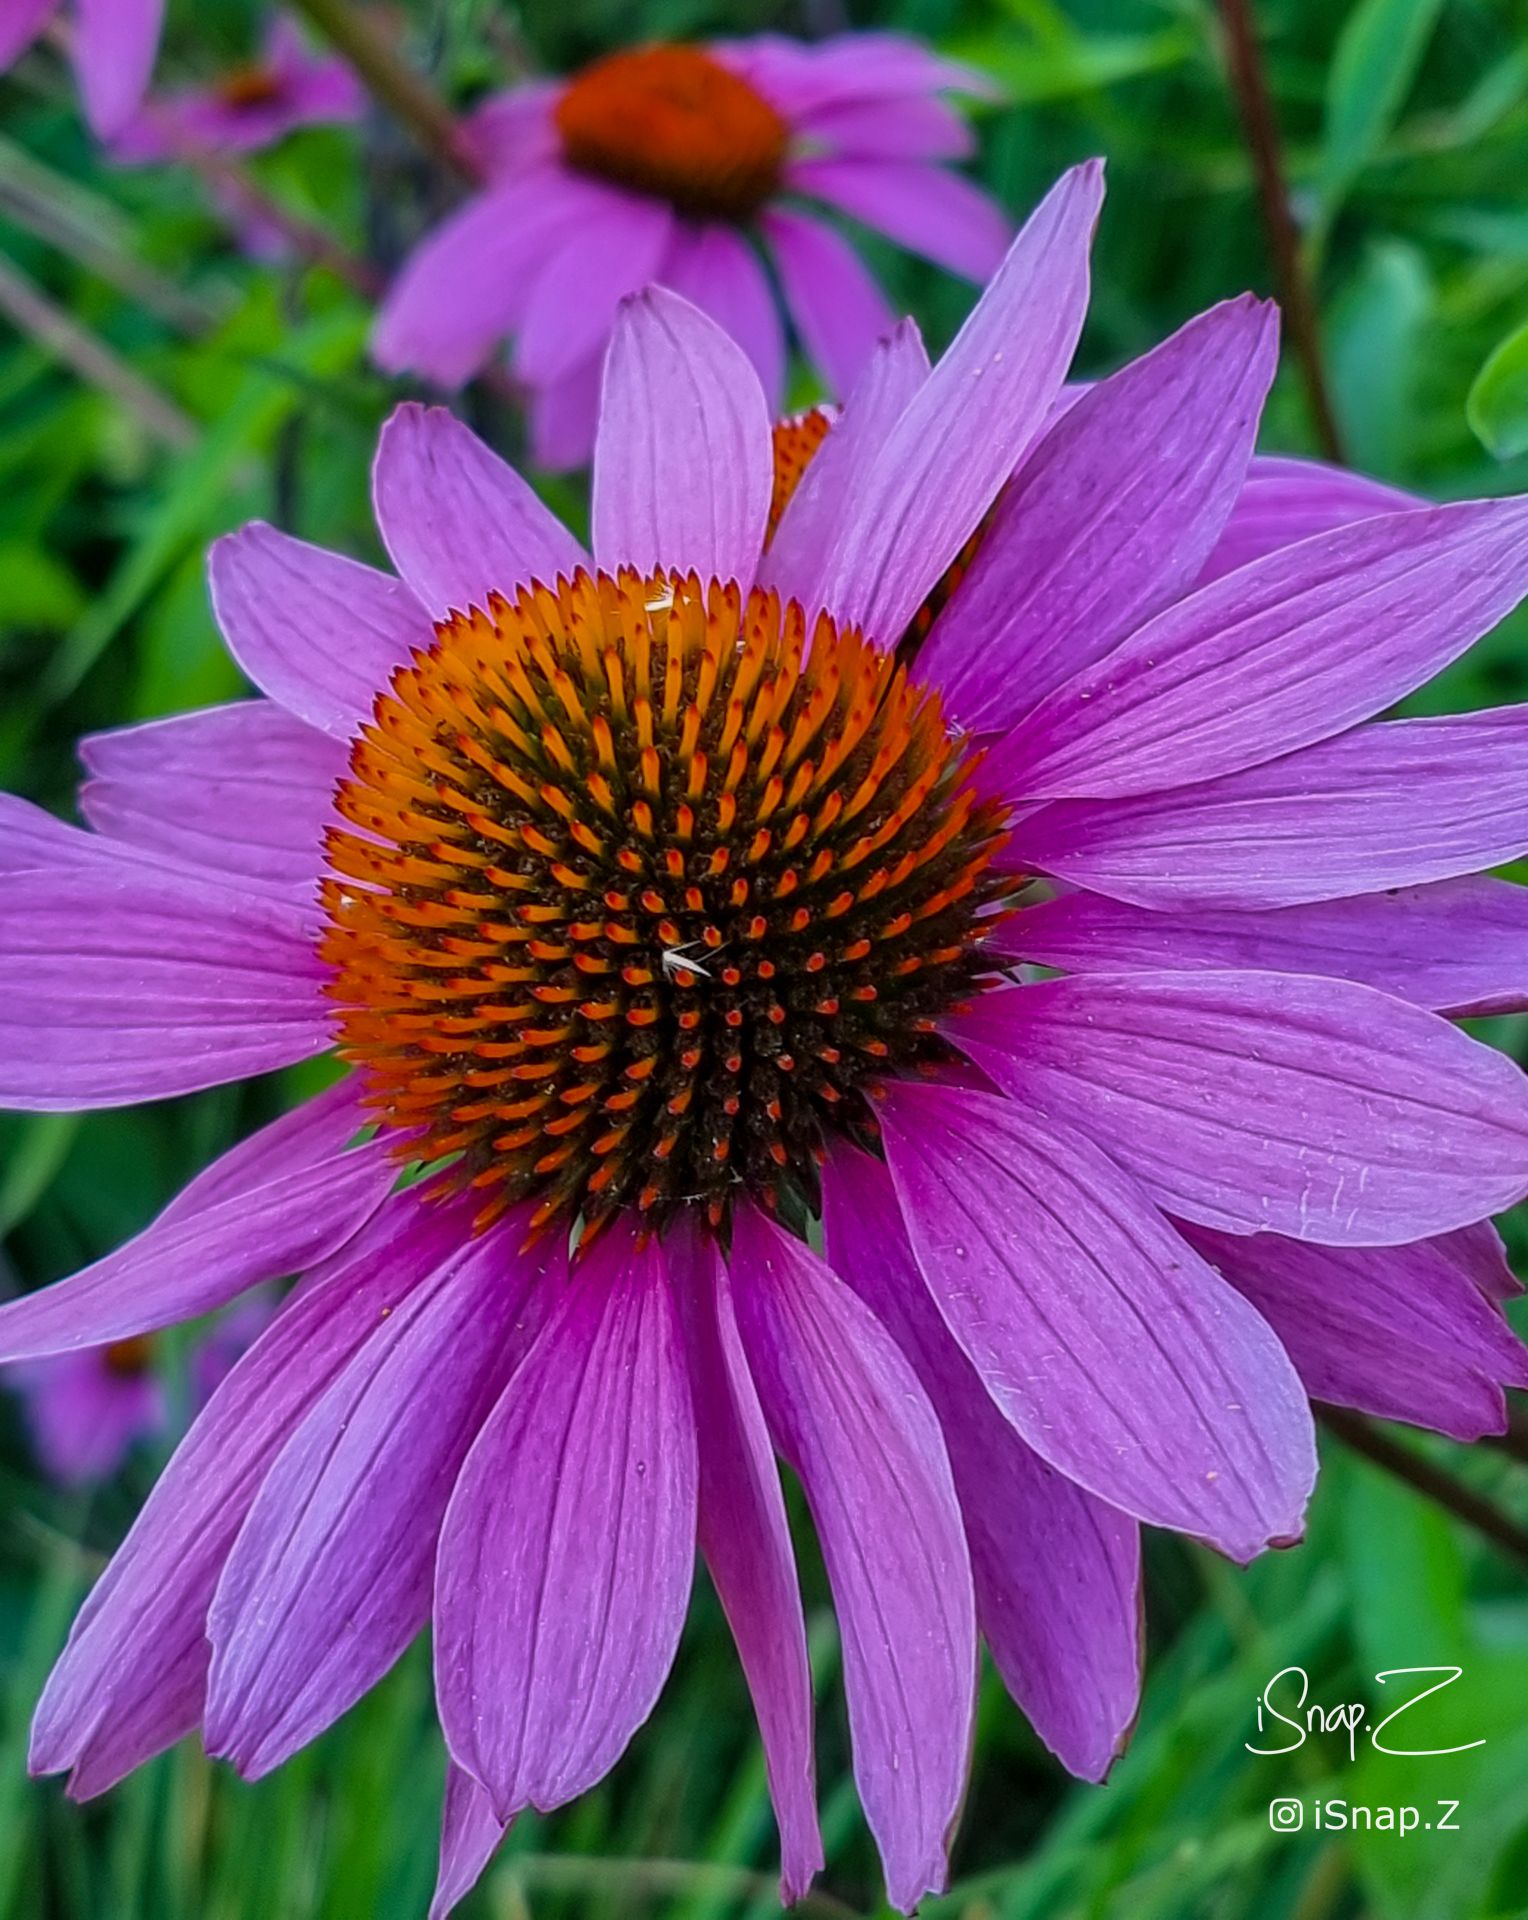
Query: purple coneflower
point(112, 44)
point(685, 166)
point(88, 1408)
point(248, 107)
point(666, 900)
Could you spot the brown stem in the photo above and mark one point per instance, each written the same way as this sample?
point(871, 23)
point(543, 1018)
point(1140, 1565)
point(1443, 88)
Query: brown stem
point(1437, 1484)
point(1261, 129)
point(32, 313)
point(407, 95)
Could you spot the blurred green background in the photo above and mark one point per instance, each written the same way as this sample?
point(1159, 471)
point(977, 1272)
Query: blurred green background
point(231, 390)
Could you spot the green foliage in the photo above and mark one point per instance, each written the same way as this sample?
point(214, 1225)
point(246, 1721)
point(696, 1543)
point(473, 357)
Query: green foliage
point(1407, 133)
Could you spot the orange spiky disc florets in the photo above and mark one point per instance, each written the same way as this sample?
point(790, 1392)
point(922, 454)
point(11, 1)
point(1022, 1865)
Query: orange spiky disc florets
point(674, 122)
point(647, 886)
point(795, 445)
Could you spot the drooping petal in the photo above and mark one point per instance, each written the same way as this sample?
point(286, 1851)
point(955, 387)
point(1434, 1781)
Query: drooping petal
point(745, 1540)
point(243, 789)
point(457, 521)
point(684, 460)
point(1115, 1352)
point(514, 130)
point(1108, 520)
point(1393, 805)
point(823, 498)
point(610, 253)
point(1315, 1108)
point(465, 286)
point(803, 77)
point(1288, 500)
point(927, 209)
point(1458, 946)
point(963, 433)
point(1288, 651)
point(565, 1559)
point(1401, 1332)
point(137, 982)
point(564, 418)
point(132, 1679)
point(1057, 1573)
point(1481, 1256)
point(470, 1832)
point(848, 1414)
point(330, 1577)
point(113, 48)
point(909, 128)
point(835, 303)
point(291, 1195)
point(715, 269)
point(319, 633)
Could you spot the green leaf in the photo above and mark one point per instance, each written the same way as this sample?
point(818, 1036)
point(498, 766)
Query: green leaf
point(1497, 405)
point(1372, 71)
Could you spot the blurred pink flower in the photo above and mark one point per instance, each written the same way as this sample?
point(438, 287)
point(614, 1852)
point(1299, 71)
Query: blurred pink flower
point(247, 107)
point(87, 1409)
point(683, 166)
point(112, 46)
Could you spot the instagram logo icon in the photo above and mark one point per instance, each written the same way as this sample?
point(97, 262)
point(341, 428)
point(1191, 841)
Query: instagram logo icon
point(1286, 1816)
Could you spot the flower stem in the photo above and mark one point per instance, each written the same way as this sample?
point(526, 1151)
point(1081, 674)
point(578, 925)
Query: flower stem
point(1432, 1481)
point(58, 333)
point(408, 96)
point(1260, 128)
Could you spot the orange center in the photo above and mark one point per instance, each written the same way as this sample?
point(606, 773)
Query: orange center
point(672, 122)
point(645, 893)
point(250, 86)
point(130, 1358)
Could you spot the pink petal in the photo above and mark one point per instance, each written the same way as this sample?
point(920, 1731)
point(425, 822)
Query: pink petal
point(835, 303)
point(1286, 652)
point(684, 465)
point(243, 789)
point(848, 1414)
point(926, 209)
point(113, 51)
point(140, 982)
point(822, 502)
point(322, 635)
point(1458, 946)
point(1057, 1572)
point(330, 1577)
point(1401, 1332)
point(457, 521)
point(745, 1539)
point(571, 306)
point(962, 434)
point(1108, 520)
point(470, 1832)
point(132, 1678)
point(715, 269)
point(465, 286)
point(1113, 1350)
point(1268, 1101)
point(1395, 805)
point(287, 1197)
point(1287, 500)
point(565, 1559)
